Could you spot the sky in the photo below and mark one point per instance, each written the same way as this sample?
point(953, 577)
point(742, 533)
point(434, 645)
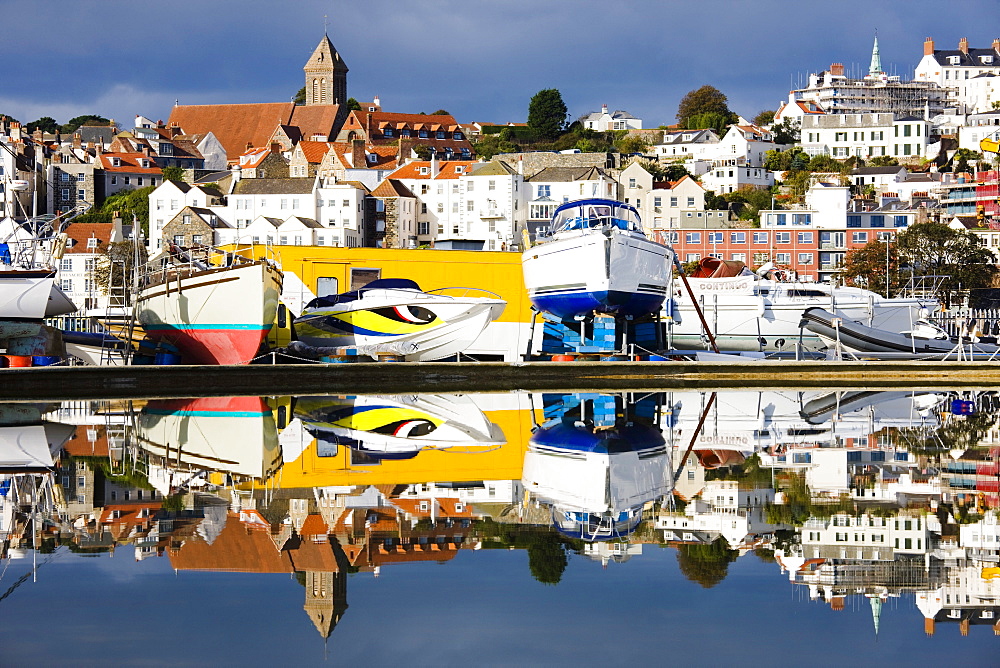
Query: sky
point(481, 61)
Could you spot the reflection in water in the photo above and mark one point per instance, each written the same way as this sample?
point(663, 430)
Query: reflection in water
point(863, 500)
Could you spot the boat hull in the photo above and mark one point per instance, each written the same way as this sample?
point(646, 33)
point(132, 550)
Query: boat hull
point(743, 319)
point(32, 294)
point(445, 327)
point(604, 271)
point(218, 316)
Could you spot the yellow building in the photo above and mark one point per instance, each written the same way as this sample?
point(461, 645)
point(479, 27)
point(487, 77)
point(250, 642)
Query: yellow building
point(326, 270)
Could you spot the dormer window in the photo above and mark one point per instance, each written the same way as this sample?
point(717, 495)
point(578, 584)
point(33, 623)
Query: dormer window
point(458, 136)
point(405, 132)
point(372, 109)
point(423, 170)
point(954, 60)
point(422, 134)
point(145, 163)
point(459, 169)
point(372, 158)
point(986, 60)
point(387, 132)
point(92, 243)
point(116, 162)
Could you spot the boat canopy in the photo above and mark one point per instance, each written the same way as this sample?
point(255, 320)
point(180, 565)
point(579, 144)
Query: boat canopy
point(377, 284)
point(583, 214)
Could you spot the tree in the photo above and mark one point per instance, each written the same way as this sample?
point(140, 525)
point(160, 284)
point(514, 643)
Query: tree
point(765, 117)
point(704, 100)
point(352, 104)
point(45, 124)
point(300, 97)
point(786, 132)
point(9, 119)
point(173, 174)
point(440, 112)
point(825, 163)
point(959, 256)
point(547, 558)
point(865, 267)
point(708, 564)
point(632, 144)
point(883, 161)
point(115, 264)
point(129, 204)
point(960, 161)
point(73, 124)
point(711, 120)
point(547, 113)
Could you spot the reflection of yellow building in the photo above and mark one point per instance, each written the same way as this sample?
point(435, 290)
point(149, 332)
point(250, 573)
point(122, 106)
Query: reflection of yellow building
point(503, 462)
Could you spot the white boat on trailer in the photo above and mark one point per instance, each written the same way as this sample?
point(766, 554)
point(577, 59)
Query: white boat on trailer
point(595, 258)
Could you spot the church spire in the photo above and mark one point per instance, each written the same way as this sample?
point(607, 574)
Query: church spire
point(326, 75)
point(876, 65)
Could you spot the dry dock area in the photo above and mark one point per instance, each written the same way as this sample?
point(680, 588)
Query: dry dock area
point(60, 383)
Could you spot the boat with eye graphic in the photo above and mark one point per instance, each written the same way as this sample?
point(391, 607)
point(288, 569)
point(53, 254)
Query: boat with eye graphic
point(396, 310)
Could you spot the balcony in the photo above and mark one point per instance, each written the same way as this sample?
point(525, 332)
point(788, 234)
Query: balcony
point(491, 212)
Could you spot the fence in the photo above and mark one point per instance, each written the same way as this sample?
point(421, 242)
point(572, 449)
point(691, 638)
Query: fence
point(960, 321)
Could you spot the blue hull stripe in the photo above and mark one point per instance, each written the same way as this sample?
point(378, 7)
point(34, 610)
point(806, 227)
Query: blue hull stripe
point(572, 304)
point(222, 326)
point(238, 414)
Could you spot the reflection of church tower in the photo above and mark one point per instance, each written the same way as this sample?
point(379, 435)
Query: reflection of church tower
point(326, 75)
point(326, 599)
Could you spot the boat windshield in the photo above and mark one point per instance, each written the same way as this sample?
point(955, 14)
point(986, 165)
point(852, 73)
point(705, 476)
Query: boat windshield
point(599, 214)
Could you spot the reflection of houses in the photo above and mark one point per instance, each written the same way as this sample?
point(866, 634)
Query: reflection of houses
point(968, 596)
point(867, 537)
point(724, 509)
point(246, 544)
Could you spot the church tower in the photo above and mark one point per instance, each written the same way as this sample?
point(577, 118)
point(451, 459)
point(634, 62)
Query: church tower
point(326, 75)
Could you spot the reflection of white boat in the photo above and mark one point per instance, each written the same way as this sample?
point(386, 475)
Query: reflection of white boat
point(393, 311)
point(27, 442)
point(235, 435)
point(748, 312)
point(595, 258)
point(923, 339)
point(397, 427)
point(596, 476)
point(216, 311)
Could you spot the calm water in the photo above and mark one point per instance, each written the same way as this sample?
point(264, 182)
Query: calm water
point(782, 527)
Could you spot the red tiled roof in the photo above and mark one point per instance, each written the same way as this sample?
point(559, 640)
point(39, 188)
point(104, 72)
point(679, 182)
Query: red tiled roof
point(313, 526)
point(129, 163)
point(234, 549)
point(80, 232)
point(234, 125)
point(314, 150)
point(446, 169)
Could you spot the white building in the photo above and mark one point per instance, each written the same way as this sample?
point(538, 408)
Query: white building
point(865, 135)
point(978, 127)
point(867, 537)
point(958, 70)
point(614, 120)
point(681, 145)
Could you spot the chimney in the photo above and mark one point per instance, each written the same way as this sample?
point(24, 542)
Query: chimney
point(77, 140)
point(929, 626)
point(963, 45)
point(405, 147)
point(837, 69)
point(604, 108)
point(996, 45)
point(249, 147)
point(929, 46)
point(275, 147)
point(358, 159)
point(963, 626)
point(377, 102)
point(434, 165)
point(837, 603)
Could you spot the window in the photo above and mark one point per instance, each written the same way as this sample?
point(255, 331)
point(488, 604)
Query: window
point(783, 237)
point(877, 221)
point(840, 136)
point(775, 219)
point(737, 237)
point(196, 239)
point(760, 237)
point(692, 257)
point(492, 185)
point(692, 237)
point(739, 257)
point(690, 201)
point(66, 264)
point(801, 219)
point(423, 228)
point(715, 237)
point(631, 183)
point(783, 258)
point(899, 221)
point(295, 203)
point(673, 201)
point(284, 203)
point(92, 243)
point(543, 191)
point(805, 258)
point(805, 237)
point(186, 218)
point(387, 132)
point(761, 258)
point(854, 221)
